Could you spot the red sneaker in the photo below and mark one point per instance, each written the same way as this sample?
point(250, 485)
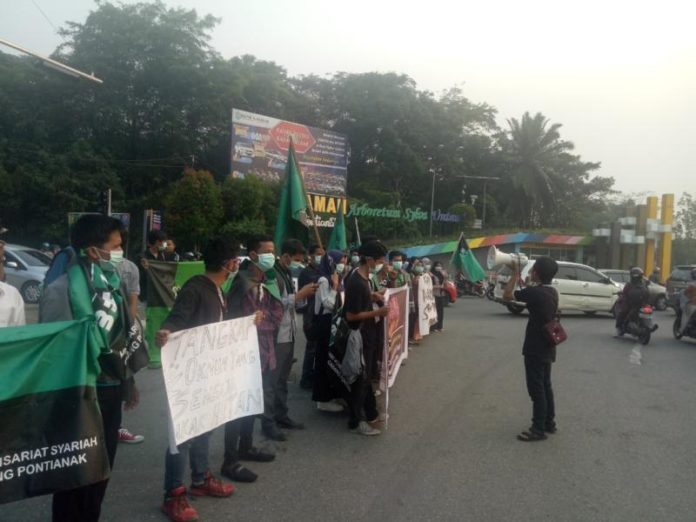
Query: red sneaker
point(212, 487)
point(177, 508)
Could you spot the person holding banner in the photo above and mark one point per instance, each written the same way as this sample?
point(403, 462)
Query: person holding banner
point(199, 302)
point(90, 285)
point(439, 276)
point(326, 302)
point(361, 316)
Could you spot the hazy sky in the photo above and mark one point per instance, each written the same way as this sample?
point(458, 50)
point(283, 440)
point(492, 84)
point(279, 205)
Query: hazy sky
point(620, 76)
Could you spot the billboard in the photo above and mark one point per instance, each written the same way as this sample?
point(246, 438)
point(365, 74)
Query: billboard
point(260, 148)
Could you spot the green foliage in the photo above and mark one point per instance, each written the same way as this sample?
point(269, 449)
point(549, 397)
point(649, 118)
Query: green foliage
point(467, 212)
point(685, 218)
point(684, 251)
point(166, 102)
point(194, 208)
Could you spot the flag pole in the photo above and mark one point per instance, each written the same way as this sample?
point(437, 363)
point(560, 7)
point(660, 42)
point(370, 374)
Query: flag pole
point(310, 206)
point(357, 230)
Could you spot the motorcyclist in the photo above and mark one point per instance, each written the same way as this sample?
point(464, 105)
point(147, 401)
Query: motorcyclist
point(633, 296)
point(687, 302)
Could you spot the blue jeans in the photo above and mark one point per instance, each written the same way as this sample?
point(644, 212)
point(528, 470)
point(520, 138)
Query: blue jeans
point(196, 450)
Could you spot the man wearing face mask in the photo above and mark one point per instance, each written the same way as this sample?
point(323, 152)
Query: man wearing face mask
point(156, 251)
point(91, 286)
point(275, 416)
point(252, 292)
point(199, 302)
point(310, 274)
point(397, 276)
point(354, 259)
point(130, 278)
point(361, 315)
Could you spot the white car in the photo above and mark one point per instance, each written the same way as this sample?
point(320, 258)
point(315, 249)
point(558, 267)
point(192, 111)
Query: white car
point(580, 288)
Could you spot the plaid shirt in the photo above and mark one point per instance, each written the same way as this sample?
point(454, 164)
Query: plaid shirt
point(259, 299)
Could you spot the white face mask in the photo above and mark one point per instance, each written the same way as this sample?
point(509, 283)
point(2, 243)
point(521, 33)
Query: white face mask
point(340, 267)
point(117, 257)
point(378, 268)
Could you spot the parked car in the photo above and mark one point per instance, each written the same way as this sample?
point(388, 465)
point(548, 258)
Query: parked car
point(25, 269)
point(677, 281)
point(658, 293)
point(580, 287)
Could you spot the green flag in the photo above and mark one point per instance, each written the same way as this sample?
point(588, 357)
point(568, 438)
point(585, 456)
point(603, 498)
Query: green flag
point(338, 241)
point(51, 434)
point(163, 282)
point(465, 261)
point(292, 210)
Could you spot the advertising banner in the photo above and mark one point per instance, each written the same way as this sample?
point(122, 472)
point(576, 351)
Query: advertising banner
point(395, 334)
point(260, 148)
point(51, 434)
point(212, 375)
point(427, 313)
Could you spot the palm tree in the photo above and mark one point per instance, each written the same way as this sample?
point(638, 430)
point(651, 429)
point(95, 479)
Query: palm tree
point(535, 155)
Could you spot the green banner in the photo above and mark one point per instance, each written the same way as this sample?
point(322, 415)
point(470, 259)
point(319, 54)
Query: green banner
point(163, 283)
point(51, 434)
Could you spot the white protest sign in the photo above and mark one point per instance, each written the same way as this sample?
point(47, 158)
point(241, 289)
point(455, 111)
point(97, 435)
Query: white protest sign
point(427, 313)
point(212, 374)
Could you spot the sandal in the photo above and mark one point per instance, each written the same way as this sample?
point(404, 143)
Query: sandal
point(531, 436)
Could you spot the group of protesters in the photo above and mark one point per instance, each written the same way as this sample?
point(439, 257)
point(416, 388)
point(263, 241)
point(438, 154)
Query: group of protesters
point(331, 285)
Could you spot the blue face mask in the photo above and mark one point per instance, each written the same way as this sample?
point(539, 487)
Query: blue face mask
point(397, 265)
point(266, 262)
point(296, 265)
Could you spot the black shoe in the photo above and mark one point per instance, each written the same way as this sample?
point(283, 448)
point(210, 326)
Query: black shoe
point(238, 473)
point(289, 424)
point(255, 454)
point(551, 429)
point(273, 433)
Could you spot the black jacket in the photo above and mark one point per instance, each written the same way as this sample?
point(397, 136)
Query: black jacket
point(197, 303)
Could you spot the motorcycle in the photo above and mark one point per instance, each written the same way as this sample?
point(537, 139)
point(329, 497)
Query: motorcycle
point(466, 287)
point(490, 290)
point(641, 325)
point(676, 327)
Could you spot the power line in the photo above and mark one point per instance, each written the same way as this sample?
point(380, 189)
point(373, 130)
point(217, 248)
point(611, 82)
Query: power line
point(55, 29)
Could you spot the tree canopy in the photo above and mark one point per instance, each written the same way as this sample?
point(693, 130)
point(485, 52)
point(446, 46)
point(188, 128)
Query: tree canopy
point(165, 107)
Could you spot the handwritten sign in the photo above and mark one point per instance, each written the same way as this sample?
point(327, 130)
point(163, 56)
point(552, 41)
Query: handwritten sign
point(427, 313)
point(212, 375)
point(395, 334)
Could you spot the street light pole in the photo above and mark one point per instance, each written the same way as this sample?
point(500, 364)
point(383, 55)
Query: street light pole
point(432, 202)
point(485, 179)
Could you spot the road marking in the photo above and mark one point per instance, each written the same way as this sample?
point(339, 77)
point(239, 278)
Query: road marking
point(636, 356)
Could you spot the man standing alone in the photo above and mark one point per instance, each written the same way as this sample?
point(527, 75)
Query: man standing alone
point(539, 352)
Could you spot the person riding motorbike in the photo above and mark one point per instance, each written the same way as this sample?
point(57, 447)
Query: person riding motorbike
point(687, 302)
point(633, 296)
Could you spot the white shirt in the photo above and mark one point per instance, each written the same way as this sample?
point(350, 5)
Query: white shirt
point(11, 306)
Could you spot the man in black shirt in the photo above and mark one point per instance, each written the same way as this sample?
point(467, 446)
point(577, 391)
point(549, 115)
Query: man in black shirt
point(310, 274)
point(199, 302)
point(361, 314)
point(538, 351)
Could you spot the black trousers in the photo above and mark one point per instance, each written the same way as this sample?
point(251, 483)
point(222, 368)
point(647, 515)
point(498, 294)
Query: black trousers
point(538, 375)
point(361, 400)
point(308, 364)
point(84, 504)
point(239, 437)
point(440, 307)
point(322, 391)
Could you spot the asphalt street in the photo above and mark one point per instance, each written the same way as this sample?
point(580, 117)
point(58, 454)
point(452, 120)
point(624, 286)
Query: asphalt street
point(626, 416)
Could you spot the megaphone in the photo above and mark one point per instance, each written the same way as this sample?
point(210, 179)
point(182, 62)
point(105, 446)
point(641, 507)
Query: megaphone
point(496, 258)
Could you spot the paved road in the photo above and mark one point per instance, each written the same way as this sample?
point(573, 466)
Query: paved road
point(623, 452)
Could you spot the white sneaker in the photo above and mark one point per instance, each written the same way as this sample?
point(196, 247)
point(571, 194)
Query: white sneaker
point(365, 429)
point(329, 407)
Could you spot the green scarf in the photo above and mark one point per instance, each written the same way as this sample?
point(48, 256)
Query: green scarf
point(95, 292)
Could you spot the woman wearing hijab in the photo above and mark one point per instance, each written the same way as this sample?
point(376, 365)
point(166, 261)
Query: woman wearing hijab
point(439, 277)
point(326, 301)
point(417, 269)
